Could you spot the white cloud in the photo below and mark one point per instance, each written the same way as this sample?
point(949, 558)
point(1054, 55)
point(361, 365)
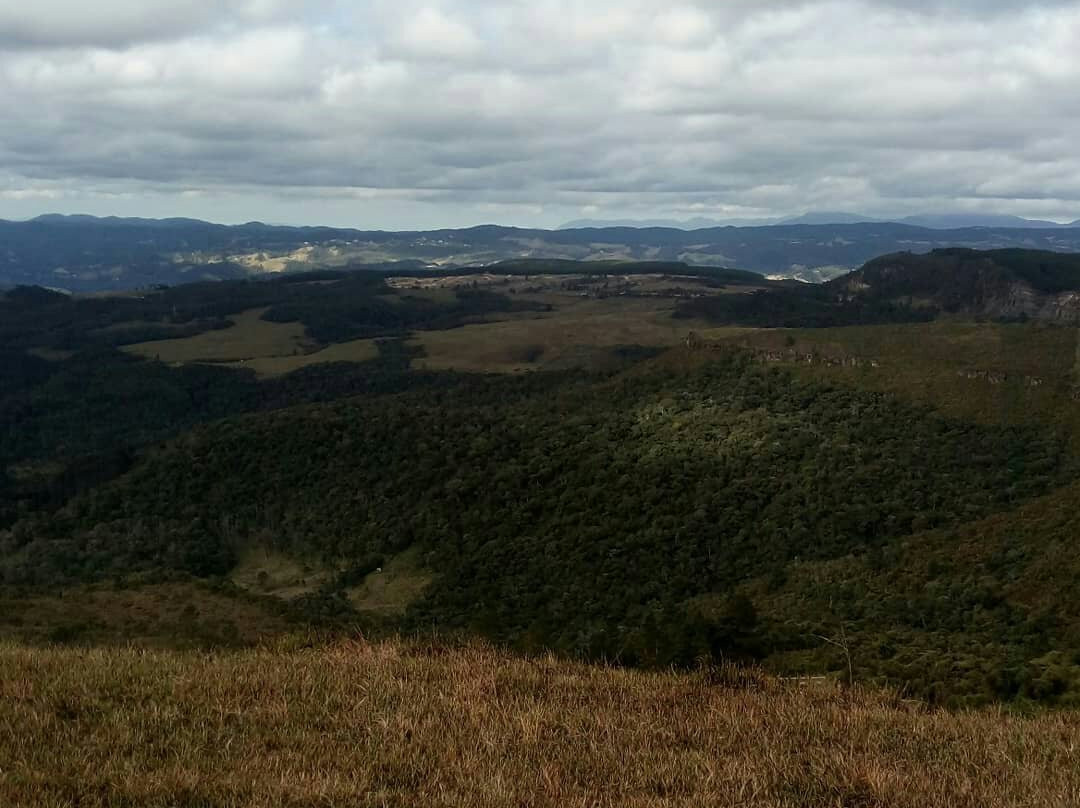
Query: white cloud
point(684, 26)
point(431, 34)
point(551, 105)
point(119, 23)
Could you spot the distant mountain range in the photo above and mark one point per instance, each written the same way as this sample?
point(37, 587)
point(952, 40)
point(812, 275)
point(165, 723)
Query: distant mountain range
point(115, 221)
point(945, 221)
point(84, 253)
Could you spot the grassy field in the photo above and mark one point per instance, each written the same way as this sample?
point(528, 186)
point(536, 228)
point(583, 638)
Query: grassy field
point(272, 573)
point(580, 331)
point(401, 581)
point(392, 724)
point(250, 337)
point(575, 334)
point(359, 350)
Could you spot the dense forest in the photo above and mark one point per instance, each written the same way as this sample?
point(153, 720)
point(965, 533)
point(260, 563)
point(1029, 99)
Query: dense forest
point(90, 407)
point(569, 511)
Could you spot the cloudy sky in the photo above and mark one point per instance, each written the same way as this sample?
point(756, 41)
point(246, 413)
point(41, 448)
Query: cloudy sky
point(423, 113)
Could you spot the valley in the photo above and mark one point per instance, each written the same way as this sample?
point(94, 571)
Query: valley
point(622, 405)
point(613, 462)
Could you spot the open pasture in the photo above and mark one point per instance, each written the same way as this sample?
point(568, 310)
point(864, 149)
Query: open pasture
point(357, 350)
point(250, 337)
point(572, 335)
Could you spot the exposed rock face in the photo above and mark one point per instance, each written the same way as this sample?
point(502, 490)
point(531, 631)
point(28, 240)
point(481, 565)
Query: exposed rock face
point(997, 377)
point(814, 358)
point(1064, 307)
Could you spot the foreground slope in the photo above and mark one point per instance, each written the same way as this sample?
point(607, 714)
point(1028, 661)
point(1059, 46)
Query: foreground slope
point(393, 724)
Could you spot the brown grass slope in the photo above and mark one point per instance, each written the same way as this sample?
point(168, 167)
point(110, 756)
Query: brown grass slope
point(393, 724)
point(185, 614)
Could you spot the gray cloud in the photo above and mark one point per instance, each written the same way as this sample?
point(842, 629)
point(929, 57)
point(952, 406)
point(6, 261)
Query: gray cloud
point(122, 23)
point(418, 112)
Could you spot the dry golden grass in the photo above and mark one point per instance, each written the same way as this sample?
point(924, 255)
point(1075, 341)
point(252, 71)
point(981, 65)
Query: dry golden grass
point(250, 337)
point(390, 724)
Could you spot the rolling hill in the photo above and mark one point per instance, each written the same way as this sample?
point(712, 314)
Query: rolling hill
point(86, 254)
point(545, 456)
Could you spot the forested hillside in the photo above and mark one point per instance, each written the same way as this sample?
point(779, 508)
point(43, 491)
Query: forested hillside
point(584, 514)
point(825, 500)
point(1002, 285)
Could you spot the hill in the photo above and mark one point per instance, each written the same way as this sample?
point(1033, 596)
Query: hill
point(907, 287)
point(952, 221)
point(404, 724)
point(995, 283)
point(84, 254)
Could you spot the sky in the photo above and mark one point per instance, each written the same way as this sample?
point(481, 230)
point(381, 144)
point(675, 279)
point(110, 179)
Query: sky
point(415, 114)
